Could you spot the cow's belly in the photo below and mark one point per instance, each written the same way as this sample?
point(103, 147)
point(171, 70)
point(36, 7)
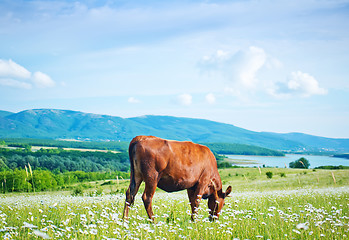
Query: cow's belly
point(168, 184)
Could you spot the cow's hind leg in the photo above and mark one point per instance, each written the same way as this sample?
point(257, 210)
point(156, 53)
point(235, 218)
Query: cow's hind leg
point(150, 187)
point(130, 194)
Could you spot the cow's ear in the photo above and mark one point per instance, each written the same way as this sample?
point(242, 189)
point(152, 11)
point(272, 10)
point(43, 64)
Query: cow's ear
point(228, 191)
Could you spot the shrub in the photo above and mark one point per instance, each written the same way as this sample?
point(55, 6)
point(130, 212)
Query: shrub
point(107, 183)
point(282, 174)
point(99, 191)
point(78, 191)
point(300, 163)
point(224, 164)
point(269, 174)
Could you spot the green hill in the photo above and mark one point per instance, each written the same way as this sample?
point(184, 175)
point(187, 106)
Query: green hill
point(5, 113)
point(66, 124)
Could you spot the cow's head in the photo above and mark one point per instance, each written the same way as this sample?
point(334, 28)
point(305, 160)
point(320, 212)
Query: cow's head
point(216, 200)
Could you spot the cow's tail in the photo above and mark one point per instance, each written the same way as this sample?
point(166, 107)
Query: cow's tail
point(132, 155)
point(130, 193)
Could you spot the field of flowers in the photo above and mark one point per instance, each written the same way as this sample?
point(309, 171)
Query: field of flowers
point(302, 213)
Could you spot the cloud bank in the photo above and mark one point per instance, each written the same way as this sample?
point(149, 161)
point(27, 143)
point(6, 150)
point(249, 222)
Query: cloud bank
point(298, 84)
point(243, 69)
point(15, 75)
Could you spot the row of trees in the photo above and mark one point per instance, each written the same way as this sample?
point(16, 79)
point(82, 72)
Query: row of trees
point(103, 145)
point(241, 149)
point(22, 170)
point(60, 160)
point(25, 180)
point(300, 163)
point(220, 148)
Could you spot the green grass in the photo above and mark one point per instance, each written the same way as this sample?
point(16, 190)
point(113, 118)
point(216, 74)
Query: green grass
point(295, 206)
point(251, 179)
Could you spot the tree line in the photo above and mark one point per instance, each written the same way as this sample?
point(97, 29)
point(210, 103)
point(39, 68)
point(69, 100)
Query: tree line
point(23, 170)
point(241, 149)
point(60, 160)
point(27, 180)
point(22, 142)
point(220, 148)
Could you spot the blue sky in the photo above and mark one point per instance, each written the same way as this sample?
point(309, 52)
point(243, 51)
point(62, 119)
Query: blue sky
point(279, 66)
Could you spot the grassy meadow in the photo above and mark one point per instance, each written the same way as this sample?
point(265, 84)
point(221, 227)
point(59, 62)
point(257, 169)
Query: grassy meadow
point(293, 204)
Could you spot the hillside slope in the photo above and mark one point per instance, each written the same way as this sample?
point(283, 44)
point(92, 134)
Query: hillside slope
point(66, 124)
point(5, 113)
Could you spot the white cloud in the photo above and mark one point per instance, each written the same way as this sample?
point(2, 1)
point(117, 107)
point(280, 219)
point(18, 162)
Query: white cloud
point(15, 75)
point(11, 69)
point(218, 57)
point(240, 68)
point(304, 84)
point(185, 99)
point(14, 83)
point(298, 84)
point(210, 98)
point(253, 60)
point(42, 80)
point(133, 100)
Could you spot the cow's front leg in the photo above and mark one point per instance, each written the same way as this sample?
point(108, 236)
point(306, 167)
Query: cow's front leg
point(147, 198)
point(194, 198)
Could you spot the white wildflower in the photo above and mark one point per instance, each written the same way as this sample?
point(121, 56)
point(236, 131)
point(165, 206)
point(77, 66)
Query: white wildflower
point(7, 236)
point(92, 226)
point(303, 226)
point(41, 234)
point(296, 231)
point(125, 225)
point(114, 216)
point(28, 225)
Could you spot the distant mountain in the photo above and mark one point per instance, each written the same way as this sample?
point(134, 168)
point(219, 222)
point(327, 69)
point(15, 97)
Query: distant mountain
point(66, 124)
point(315, 142)
point(5, 113)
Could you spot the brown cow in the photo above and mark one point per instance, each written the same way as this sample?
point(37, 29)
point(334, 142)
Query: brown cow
point(174, 166)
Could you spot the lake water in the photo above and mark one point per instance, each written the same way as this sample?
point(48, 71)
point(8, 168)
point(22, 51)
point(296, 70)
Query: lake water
point(315, 161)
